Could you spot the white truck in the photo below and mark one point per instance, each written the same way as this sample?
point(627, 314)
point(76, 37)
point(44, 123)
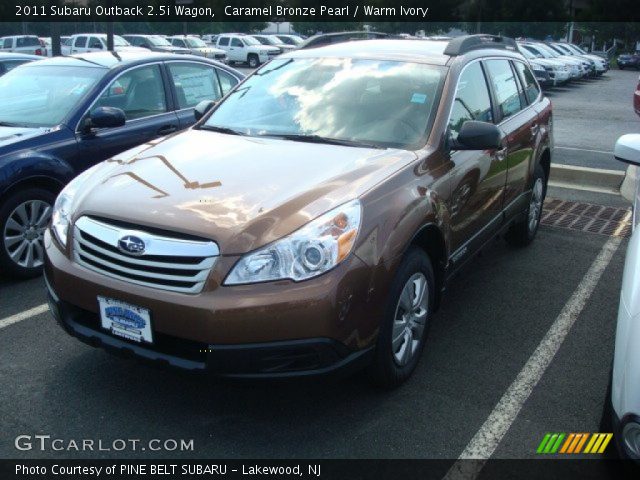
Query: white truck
point(245, 49)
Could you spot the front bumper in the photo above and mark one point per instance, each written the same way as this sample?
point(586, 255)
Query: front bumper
point(286, 359)
point(277, 329)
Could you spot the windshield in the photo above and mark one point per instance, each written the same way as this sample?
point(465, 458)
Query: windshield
point(526, 53)
point(263, 40)
point(379, 102)
point(552, 53)
point(159, 42)
point(118, 41)
point(290, 40)
point(195, 42)
point(250, 41)
point(42, 96)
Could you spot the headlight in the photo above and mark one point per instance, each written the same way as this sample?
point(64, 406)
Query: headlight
point(61, 217)
point(308, 252)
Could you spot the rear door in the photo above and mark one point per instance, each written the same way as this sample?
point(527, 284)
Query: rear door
point(478, 176)
point(141, 92)
point(193, 82)
point(518, 121)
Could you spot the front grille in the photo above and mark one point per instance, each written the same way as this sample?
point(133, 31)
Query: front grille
point(180, 264)
point(221, 56)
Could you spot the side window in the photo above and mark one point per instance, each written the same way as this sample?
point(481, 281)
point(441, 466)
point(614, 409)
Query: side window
point(139, 93)
point(80, 42)
point(505, 86)
point(95, 42)
point(194, 83)
point(235, 42)
point(7, 43)
point(178, 42)
point(531, 90)
point(224, 41)
point(227, 81)
point(472, 100)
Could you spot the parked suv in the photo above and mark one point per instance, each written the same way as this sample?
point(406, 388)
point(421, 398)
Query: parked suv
point(27, 44)
point(244, 48)
point(310, 221)
point(96, 42)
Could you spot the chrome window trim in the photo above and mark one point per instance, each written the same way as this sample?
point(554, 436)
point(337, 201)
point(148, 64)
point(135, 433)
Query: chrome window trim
point(95, 100)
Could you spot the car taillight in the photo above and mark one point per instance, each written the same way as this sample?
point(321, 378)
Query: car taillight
point(39, 52)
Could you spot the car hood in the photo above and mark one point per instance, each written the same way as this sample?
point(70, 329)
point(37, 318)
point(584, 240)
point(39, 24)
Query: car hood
point(172, 49)
point(242, 192)
point(11, 135)
point(208, 50)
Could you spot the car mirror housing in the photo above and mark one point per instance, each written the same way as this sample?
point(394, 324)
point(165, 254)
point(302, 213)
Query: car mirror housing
point(203, 108)
point(106, 117)
point(627, 149)
point(476, 135)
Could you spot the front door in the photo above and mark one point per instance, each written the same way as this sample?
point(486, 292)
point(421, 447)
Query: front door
point(141, 94)
point(478, 177)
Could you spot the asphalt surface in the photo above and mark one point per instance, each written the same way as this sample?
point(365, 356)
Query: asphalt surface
point(491, 321)
point(589, 117)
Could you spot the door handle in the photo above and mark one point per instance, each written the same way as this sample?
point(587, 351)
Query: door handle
point(167, 129)
point(501, 154)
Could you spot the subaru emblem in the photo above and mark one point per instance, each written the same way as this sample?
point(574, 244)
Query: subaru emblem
point(131, 244)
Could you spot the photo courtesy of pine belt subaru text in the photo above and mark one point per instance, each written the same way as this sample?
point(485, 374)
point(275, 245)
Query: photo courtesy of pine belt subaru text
point(310, 220)
point(62, 115)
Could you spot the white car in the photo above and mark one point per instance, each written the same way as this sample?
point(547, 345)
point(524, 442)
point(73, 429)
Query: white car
point(28, 44)
point(198, 47)
point(244, 48)
point(96, 42)
point(558, 71)
point(625, 387)
point(273, 41)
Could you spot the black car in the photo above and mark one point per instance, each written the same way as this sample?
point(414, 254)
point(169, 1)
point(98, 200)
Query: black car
point(62, 115)
point(9, 61)
point(629, 60)
point(155, 43)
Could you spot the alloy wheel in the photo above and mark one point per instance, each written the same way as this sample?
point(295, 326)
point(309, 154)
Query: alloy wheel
point(410, 319)
point(24, 233)
point(535, 204)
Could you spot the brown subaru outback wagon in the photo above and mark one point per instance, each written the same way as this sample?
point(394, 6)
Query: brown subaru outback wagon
point(310, 221)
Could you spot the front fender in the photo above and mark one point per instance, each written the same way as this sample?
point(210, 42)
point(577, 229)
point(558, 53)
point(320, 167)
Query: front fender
point(22, 166)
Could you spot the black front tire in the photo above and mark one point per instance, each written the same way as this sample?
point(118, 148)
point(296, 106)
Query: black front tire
point(253, 61)
point(524, 231)
point(385, 370)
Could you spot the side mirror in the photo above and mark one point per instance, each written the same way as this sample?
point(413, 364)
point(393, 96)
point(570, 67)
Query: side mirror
point(627, 149)
point(106, 117)
point(476, 135)
point(203, 108)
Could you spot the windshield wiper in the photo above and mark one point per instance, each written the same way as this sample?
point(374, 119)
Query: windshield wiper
point(226, 130)
point(326, 140)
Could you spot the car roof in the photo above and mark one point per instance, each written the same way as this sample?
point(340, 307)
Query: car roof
point(110, 60)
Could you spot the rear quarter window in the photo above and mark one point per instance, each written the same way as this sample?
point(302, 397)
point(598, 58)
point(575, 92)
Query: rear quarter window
point(505, 86)
point(531, 90)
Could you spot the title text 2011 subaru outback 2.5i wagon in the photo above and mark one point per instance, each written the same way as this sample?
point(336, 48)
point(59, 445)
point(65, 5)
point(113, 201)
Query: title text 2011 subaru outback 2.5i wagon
point(309, 222)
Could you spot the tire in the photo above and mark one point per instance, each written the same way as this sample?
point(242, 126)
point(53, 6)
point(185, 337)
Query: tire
point(391, 366)
point(253, 60)
point(24, 217)
point(621, 67)
point(524, 231)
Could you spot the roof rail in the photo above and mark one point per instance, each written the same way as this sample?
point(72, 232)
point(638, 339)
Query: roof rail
point(461, 45)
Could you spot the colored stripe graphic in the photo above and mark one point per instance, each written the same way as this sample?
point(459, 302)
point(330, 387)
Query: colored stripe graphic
point(573, 443)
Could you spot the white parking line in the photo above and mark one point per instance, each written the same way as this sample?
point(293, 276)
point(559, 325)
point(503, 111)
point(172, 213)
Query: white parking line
point(486, 440)
point(583, 150)
point(18, 317)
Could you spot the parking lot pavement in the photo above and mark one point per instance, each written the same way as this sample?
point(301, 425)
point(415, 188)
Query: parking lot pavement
point(590, 115)
point(492, 319)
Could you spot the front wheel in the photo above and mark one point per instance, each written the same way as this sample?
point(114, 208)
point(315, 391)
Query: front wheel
point(406, 321)
point(24, 217)
point(253, 60)
point(524, 231)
